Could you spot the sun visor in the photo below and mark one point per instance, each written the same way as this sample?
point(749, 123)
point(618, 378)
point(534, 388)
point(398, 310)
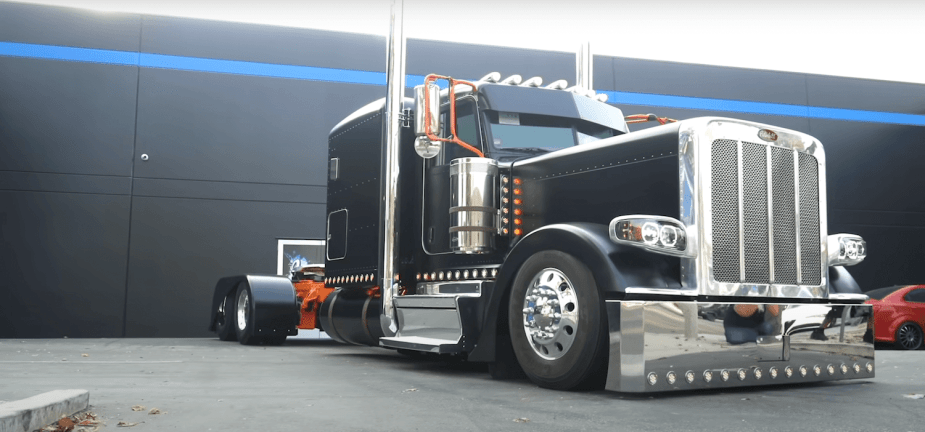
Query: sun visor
point(559, 103)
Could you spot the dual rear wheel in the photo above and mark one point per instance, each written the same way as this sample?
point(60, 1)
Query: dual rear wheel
point(235, 320)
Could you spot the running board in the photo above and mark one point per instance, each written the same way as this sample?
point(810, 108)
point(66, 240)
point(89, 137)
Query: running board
point(418, 343)
point(437, 324)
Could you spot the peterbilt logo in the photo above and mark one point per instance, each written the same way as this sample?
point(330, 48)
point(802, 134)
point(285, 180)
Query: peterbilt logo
point(767, 135)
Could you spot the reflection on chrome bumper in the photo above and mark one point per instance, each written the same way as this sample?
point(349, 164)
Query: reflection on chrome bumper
point(667, 346)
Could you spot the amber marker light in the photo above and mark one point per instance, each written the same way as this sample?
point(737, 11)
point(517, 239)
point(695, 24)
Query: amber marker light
point(517, 221)
point(518, 212)
point(517, 191)
point(518, 231)
point(518, 201)
point(517, 181)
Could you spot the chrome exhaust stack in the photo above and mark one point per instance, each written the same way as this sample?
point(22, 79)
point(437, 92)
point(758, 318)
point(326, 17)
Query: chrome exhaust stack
point(391, 134)
point(584, 67)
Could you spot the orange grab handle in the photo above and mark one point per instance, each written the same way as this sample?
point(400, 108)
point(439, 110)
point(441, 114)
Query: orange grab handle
point(642, 118)
point(428, 115)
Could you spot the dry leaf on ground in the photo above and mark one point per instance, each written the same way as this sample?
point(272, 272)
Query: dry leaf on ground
point(126, 424)
point(154, 411)
point(66, 424)
point(409, 390)
point(521, 420)
point(138, 408)
point(915, 396)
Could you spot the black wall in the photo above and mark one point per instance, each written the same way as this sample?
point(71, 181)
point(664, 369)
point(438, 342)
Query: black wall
point(95, 242)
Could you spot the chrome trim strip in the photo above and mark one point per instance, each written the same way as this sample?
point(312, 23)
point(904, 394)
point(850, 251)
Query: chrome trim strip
point(819, 154)
point(389, 208)
point(796, 214)
point(689, 202)
point(474, 288)
point(740, 185)
point(848, 297)
point(661, 291)
point(770, 188)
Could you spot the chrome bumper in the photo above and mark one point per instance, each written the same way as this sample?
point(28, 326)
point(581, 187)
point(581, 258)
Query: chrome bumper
point(668, 346)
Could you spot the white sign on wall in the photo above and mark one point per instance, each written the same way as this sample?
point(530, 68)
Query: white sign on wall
point(292, 255)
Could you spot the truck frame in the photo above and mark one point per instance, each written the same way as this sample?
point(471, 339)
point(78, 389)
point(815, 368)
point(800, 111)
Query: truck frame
point(527, 227)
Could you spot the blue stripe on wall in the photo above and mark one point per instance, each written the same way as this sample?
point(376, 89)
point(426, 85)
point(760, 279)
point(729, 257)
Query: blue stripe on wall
point(261, 69)
point(13, 49)
point(765, 108)
point(68, 53)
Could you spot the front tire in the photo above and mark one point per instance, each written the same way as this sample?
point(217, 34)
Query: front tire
point(557, 323)
point(909, 336)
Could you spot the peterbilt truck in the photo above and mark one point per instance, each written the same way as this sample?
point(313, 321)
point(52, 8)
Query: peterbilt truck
point(526, 226)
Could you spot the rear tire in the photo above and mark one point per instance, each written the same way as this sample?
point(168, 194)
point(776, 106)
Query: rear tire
point(224, 320)
point(909, 336)
point(243, 317)
point(557, 323)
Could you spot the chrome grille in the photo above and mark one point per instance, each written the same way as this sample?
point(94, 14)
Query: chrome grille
point(785, 225)
point(762, 236)
point(725, 211)
point(809, 221)
point(755, 212)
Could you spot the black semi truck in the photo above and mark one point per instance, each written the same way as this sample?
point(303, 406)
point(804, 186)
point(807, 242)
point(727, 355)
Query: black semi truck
point(527, 227)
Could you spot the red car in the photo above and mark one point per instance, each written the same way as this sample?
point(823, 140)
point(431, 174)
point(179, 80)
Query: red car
point(899, 315)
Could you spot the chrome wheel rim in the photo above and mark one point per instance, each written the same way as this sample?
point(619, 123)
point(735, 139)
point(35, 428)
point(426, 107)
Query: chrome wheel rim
point(550, 309)
point(909, 336)
point(243, 309)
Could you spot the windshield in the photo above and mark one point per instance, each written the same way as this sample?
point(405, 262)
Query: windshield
point(530, 133)
point(505, 137)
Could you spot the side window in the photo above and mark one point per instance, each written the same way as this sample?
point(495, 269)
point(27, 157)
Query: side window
point(467, 129)
point(916, 296)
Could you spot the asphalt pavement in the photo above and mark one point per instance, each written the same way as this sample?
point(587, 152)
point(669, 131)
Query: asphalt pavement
point(320, 385)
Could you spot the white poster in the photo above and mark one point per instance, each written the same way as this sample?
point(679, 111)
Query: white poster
point(295, 254)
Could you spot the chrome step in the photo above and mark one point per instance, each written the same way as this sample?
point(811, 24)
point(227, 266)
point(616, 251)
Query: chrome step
point(435, 323)
point(418, 343)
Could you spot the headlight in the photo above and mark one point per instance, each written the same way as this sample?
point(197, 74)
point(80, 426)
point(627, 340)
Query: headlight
point(846, 249)
point(659, 234)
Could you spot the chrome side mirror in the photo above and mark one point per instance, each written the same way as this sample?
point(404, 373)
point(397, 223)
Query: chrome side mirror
point(426, 102)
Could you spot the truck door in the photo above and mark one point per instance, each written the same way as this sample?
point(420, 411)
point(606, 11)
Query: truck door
point(436, 199)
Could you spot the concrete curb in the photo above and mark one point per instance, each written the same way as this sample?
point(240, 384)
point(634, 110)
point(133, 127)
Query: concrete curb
point(36, 412)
